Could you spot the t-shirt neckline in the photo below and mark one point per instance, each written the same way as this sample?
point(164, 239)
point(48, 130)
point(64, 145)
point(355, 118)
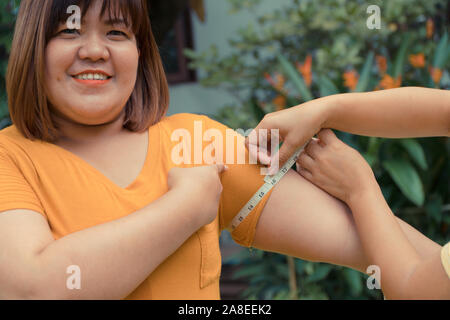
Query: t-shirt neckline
point(153, 152)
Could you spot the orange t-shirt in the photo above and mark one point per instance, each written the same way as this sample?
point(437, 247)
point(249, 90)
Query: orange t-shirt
point(66, 190)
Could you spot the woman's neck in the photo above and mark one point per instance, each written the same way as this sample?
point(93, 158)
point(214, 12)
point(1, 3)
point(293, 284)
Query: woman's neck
point(79, 134)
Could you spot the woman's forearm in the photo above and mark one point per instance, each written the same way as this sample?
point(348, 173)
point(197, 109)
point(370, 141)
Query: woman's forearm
point(115, 257)
point(384, 242)
point(395, 113)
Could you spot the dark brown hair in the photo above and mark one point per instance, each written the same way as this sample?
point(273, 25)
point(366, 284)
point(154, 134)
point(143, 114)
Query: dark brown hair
point(25, 82)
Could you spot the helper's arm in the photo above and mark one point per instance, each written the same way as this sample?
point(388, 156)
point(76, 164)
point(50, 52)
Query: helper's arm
point(303, 221)
point(396, 113)
point(404, 274)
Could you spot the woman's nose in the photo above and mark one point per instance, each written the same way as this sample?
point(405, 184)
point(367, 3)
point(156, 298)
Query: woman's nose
point(93, 48)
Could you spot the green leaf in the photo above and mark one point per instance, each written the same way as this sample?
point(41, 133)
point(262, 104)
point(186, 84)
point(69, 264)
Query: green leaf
point(407, 179)
point(415, 150)
point(441, 55)
point(434, 208)
point(401, 56)
point(364, 78)
point(353, 278)
point(374, 146)
point(249, 271)
point(371, 160)
point(320, 273)
point(295, 77)
point(326, 86)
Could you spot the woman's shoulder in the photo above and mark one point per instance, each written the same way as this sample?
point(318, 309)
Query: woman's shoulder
point(188, 121)
point(8, 136)
point(182, 118)
point(12, 141)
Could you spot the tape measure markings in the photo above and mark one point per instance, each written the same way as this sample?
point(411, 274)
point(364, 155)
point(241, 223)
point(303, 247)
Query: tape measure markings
point(269, 183)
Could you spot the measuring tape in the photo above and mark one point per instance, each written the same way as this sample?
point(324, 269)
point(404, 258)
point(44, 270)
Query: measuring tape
point(269, 182)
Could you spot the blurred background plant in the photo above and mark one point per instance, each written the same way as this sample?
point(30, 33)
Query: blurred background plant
point(311, 49)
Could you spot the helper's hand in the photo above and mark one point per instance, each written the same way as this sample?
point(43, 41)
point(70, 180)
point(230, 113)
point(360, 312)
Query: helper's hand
point(296, 125)
point(335, 167)
point(202, 185)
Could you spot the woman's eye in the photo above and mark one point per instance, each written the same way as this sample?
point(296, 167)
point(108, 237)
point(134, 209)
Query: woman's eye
point(118, 33)
point(69, 31)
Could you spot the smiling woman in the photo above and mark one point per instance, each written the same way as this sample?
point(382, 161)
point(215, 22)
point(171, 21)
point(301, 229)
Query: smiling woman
point(55, 53)
point(87, 178)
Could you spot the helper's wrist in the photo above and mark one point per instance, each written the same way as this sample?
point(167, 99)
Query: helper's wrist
point(329, 109)
point(367, 190)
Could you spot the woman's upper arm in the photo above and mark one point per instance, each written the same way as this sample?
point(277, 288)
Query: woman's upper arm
point(23, 234)
point(301, 220)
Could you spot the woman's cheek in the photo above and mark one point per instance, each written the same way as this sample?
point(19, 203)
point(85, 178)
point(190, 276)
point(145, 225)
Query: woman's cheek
point(129, 67)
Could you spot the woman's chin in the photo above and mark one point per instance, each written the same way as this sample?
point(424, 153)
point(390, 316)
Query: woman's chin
point(95, 115)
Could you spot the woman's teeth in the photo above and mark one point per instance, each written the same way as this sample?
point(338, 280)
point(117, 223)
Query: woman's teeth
point(92, 76)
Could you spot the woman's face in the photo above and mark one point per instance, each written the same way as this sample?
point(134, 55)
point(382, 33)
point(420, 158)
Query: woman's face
point(91, 72)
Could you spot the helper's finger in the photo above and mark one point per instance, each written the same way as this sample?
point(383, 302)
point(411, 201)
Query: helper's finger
point(260, 155)
point(327, 136)
point(305, 173)
point(313, 148)
point(221, 167)
point(305, 162)
point(281, 156)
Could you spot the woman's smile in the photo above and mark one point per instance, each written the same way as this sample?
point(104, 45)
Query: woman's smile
point(92, 78)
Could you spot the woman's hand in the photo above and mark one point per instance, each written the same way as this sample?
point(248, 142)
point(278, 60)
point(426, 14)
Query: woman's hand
point(335, 167)
point(296, 125)
point(202, 185)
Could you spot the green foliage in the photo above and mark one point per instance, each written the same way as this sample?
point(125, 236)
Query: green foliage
point(295, 77)
point(8, 12)
point(413, 173)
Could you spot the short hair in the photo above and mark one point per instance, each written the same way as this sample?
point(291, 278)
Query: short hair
point(25, 78)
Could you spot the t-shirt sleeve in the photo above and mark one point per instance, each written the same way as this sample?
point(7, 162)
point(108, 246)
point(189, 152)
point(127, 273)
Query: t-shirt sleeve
point(15, 191)
point(445, 258)
point(240, 183)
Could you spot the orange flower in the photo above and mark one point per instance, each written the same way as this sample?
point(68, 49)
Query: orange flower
point(280, 81)
point(389, 83)
point(277, 83)
point(305, 70)
point(279, 102)
point(436, 74)
point(430, 28)
point(382, 64)
point(417, 60)
point(351, 79)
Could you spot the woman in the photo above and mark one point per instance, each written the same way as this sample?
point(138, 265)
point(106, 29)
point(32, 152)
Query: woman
point(87, 177)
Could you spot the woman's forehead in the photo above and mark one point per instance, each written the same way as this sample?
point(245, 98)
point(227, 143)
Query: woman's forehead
point(111, 10)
